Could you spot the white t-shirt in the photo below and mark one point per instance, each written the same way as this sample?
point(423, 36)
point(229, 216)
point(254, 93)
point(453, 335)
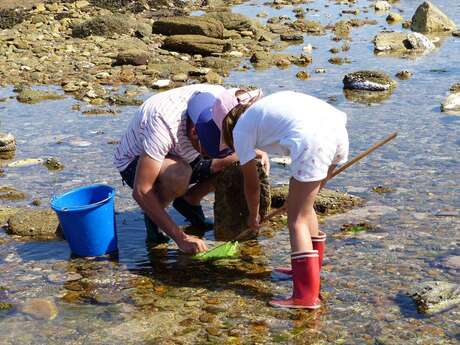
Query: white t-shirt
point(309, 130)
point(159, 127)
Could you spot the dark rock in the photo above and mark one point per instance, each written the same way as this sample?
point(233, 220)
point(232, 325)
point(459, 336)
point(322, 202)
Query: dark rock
point(53, 163)
point(404, 75)
point(368, 80)
point(7, 143)
point(33, 223)
point(194, 44)
point(291, 37)
point(204, 26)
point(10, 17)
point(435, 296)
point(133, 57)
point(230, 208)
point(302, 75)
point(429, 18)
point(103, 26)
point(10, 193)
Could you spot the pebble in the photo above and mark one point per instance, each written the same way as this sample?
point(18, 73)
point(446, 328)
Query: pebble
point(161, 83)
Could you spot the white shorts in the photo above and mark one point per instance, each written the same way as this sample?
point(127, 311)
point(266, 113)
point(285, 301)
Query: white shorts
point(318, 153)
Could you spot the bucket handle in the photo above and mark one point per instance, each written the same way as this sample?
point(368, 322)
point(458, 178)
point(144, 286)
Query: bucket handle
point(82, 207)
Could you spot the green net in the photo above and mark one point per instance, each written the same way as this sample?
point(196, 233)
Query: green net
point(223, 251)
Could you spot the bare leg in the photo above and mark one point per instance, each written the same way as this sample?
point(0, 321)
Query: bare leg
point(199, 191)
point(302, 219)
point(173, 179)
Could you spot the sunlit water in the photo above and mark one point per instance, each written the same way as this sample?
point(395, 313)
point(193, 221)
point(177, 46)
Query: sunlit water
point(366, 277)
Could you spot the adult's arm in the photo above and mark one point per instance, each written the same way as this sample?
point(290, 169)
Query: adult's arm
point(252, 192)
point(147, 173)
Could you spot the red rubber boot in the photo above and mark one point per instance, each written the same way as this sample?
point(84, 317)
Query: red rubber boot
point(305, 278)
point(319, 244)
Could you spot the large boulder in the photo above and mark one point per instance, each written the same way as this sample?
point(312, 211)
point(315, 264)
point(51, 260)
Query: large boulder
point(194, 44)
point(368, 80)
point(32, 223)
point(204, 26)
point(402, 42)
point(429, 18)
point(103, 26)
point(230, 208)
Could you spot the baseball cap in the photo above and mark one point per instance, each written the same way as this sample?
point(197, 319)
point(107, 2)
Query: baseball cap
point(209, 135)
point(200, 101)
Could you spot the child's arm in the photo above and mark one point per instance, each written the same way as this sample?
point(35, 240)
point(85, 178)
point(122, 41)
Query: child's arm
point(252, 192)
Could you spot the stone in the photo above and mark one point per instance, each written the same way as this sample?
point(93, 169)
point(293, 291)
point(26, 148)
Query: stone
point(230, 208)
point(435, 296)
point(81, 4)
point(35, 96)
point(10, 193)
point(456, 33)
point(404, 75)
point(393, 18)
point(311, 27)
point(342, 29)
point(39, 224)
point(368, 80)
point(204, 26)
point(40, 308)
point(135, 57)
point(302, 75)
point(291, 37)
point(367, 97)
point(389, 41)
point(234, 21)
point(451, 103)
point(429, 18)
point(382, 6)
point(161, 83)
point(320, 70)
point(7, 143)
point(103, 26)
point(52, 163)
point(213, 78)
point(194, 44)
point(180, 77)
point(124, 100)
point(455, 87)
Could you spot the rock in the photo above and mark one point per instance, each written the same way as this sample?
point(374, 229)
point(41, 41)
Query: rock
point(124, 100)
point(204, 26)
point(393, 18)
point(230, 209)
point(456, 33)
point(342, 29)
point(103, 26)
point(367, 97)
point(320, 70)
point(235, 21)
point(33, 223)
point(435, 296)
point(404, 74)
point(302, 75)
point(452, 262)
point(53, 163)
point(455, 87)
point(10, 17)
point(10, 193)
point(261, 58)
point(451, 103)
point(40, 308)
point(7, 144)
point(429, 18)
point(25, 162)
point(161, 84)
point(35, 96)
point(291, 37)
point(213, 78)
point(382, 6)
point(180, 77)
point(194, 44)
point(368, 80)
point(311, 27)
point(402, 42)
point(5, 305)
point(133, 57)
point(81, 4)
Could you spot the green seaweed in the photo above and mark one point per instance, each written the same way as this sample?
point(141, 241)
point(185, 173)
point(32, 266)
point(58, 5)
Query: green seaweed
point(223, 251)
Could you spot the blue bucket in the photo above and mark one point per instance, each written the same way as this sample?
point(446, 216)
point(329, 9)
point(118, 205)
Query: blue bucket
point(87, 217)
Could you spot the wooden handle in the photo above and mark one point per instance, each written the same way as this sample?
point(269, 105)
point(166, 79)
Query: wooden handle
point(348, 164)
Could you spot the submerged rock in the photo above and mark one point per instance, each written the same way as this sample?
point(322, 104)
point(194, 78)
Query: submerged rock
point(194, 44)
point(368, 80)
point(429, 18)
point(40, 308)
point(204, 26)
point(230, 208)
point(451, 103)
point(32, 223)
point(435, 296)
point(404, 74)
point(10, 193)
point(35, 96)
point(53, 163)
point(367, 97)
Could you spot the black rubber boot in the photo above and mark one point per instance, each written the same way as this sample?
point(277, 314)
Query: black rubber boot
point(193, 213)
point(154, 236)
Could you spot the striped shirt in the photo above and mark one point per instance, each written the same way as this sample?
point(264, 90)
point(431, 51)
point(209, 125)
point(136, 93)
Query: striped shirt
point(159, 127)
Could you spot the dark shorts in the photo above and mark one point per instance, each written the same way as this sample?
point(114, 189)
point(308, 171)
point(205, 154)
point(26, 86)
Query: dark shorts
point(201, 170)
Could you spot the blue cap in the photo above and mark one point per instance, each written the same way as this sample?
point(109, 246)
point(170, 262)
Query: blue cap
point(209, 134)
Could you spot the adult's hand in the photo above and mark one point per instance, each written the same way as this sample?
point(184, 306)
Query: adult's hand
point(191, 245)
point(264, 160)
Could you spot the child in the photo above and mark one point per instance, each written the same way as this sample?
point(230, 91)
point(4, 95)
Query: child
point(313, 134)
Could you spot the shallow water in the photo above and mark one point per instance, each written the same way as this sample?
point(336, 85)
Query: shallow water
point(161, 296)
